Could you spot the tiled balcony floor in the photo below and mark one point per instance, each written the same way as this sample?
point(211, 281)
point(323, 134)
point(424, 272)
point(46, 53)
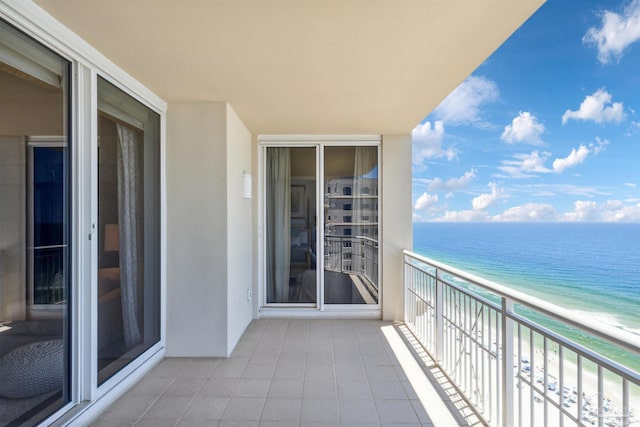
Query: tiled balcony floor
point(294, 373)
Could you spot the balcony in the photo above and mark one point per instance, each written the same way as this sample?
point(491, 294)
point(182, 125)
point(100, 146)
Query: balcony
point(297, 372)
point(468, 353)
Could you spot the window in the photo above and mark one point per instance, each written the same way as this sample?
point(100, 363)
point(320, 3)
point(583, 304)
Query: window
point(346, 207)
point(346, 232)
point(346, 191)
point(346, 218)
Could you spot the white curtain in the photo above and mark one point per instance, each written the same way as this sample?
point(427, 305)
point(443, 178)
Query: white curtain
point(366, 159)
point(128, 217)
point(278, 223)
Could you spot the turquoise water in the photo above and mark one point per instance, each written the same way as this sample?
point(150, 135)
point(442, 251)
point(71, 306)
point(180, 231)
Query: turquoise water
point(593, 269)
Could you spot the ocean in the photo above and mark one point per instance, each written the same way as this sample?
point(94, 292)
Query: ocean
point(590, 268)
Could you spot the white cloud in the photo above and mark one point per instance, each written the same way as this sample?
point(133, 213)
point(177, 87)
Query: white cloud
point(583, 211)
point(574, 158)
point(630, 184)
point(609, 211)
point(597, 107)
point(484, 201)
point(525, 165)
point(555, 189)
point(528, 212)
point(427, 143)
point(462, 106)
point(426, 201)
point(453, 184)
point(524, 128)
point(599, 145)
point(464, 216)
point(449, 195)
point(616, 33)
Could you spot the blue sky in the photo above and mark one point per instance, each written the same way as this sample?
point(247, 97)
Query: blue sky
point(546, 129)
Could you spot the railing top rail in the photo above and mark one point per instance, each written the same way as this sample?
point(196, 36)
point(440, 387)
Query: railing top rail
point(609, 333)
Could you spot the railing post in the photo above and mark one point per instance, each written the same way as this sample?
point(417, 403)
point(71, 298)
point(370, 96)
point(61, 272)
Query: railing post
point(405, 285)
point(508, 414)
point(439, 318)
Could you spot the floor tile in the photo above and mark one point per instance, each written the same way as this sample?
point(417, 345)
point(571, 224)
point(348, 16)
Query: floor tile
point(396, 411)
point(230, 368)
point(195, 423)
point(199, 368)
point(320, 371)
point(151, 386)
point(165, 422)
point(322, 410)
point(244, 409)
point(320, 389)
point(206, 408)
point(252, 388)
point(289, 370)
point(184, 386)
point(259, 370)
point(113, 422)
point(387, 390)
point(357, 410)
point(353, 389)
point(130, 406)
point(219, 387)
point(286, 388)
point(350, 371)
point(168, 407)
point(281, 409)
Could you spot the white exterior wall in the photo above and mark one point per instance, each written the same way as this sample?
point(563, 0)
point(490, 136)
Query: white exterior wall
point(397, 229)
point(209, 230)
point(196, 230)
point(239, 230)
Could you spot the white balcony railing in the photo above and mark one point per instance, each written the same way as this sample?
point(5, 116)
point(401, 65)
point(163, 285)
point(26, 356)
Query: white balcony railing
point(502, 350)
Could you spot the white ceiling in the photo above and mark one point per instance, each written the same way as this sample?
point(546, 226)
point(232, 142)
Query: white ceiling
point(300, 66)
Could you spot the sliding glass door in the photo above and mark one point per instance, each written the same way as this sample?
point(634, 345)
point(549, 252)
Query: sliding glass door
point(323, 216)
point(351, 225)
point(291, 232)
point(35, 230)
point(128, 229)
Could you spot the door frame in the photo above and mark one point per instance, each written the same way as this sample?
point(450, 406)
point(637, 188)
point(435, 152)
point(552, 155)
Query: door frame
point(318, 309)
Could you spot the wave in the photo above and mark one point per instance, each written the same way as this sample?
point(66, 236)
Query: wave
point(606, 318)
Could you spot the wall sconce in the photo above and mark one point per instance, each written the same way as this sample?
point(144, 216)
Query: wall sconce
point(111, 238)
point(246, 185)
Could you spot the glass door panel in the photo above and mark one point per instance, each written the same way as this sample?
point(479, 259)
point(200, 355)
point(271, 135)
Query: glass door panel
point(128, 229)
point(35, 228)
point(351, 225)
point(291, 243)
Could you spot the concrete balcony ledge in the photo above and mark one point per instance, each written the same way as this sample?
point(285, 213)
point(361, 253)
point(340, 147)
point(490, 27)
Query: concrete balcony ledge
point(298, 373)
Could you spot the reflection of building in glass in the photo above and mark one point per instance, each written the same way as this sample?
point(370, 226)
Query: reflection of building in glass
point(351, 211)
point(351, 227)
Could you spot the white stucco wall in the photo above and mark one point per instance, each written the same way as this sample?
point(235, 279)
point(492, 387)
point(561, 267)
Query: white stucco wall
point(197, 230)
point(397, 229)
point(239, 229)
